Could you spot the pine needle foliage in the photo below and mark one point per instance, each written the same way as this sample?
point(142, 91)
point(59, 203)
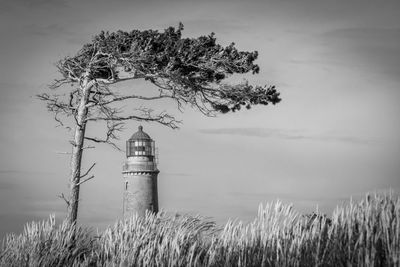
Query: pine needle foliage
point(364, 233)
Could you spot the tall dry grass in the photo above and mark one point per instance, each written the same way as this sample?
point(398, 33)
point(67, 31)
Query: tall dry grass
point(365, 233)
point(361, 234)
point(156, 240)
point(45, 244)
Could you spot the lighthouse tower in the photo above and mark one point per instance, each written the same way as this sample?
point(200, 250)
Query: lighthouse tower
point(140, 175)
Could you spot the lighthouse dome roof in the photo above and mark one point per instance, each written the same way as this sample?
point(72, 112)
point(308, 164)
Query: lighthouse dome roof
point(140, 135)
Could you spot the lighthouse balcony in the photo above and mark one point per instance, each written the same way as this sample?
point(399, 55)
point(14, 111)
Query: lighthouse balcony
point(139, 167)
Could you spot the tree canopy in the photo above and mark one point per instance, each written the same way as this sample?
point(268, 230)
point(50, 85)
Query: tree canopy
point(189, 70)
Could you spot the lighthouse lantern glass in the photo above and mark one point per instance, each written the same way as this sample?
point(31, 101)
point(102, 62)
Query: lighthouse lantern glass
point(140, 148)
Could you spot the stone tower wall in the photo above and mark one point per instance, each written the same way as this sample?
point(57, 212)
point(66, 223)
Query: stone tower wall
point(140, 193)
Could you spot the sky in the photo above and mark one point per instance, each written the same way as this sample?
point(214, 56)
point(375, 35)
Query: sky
point(335, 135)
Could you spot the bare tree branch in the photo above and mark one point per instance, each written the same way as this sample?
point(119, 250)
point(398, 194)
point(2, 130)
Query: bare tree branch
point(55, 104)
point(119, 80)
point(118, 99)
point(112, 128)
point(65, 199)
point(162, 118)
point(104, 141)
point(87, 172)
point(63, 152)
point(107, 140)
point(58, 83)
point(85, 180)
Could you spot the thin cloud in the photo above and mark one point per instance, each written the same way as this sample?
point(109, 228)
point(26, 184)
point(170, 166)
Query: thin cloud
point(287, 135)
point(18, 6)
point(51, 29)
point(55, 30)
point(366, 50)
point(176, 174)
point(42, 3)
point(217, 25)
point(289, 197)
point(23, 172)
point(371, 49)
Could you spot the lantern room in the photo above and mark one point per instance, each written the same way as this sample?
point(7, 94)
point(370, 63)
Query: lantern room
point(140, 145)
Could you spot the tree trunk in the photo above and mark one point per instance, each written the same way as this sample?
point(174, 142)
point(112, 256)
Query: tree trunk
point(77, 151)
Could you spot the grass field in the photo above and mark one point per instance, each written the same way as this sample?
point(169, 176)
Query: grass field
point(366, 233)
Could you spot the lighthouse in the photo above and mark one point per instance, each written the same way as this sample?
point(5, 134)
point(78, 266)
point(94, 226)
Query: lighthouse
point(140, 175)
